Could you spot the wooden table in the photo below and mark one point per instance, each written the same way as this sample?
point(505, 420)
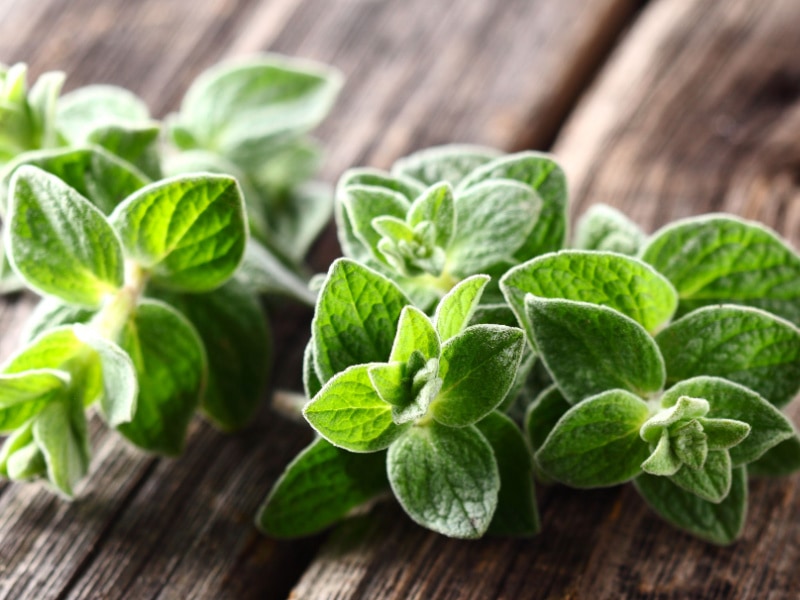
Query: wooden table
point(668, 109)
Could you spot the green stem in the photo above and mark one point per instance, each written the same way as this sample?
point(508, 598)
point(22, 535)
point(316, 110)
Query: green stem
point(115, 313)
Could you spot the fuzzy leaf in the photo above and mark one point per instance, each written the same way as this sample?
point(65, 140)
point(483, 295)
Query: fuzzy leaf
point(779, 461)
point(95, 174)
point(727, 400)
point(589, 349)
point(415, 332)
point(493, 220)
point(718, 523)
point(171, 376)
point(189, 230)
point(81, 112)
point(450, 163)
point(319, 487)
point(24, 395)
point(436, 205)
point(350, 414)
point(546, 178)
point(363, 204)
point(456, 308)
point(477, 368)
point(619, 282)
point(712, 482)
point(311, 381)
point(662, 461)
point(401, 184)
point(134, 144)
point(543, 414)
point(517, 513)
point(596, 443)
point(356, 318)
point(82, 255)
point(605, 228)
point(446, 479)
point(742, 344)
point(235, 331)
point(722, 259)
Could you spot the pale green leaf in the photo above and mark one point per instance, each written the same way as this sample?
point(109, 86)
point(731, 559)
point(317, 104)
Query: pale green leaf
point(456, 309)
point(450, 163)
point(605, 228)
point(446, 479)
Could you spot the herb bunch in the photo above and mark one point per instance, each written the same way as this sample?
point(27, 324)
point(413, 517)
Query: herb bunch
point(150, 309)
point(662, 360)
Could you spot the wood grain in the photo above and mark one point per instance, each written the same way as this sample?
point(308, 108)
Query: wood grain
point(419, 73)
point(698, 110)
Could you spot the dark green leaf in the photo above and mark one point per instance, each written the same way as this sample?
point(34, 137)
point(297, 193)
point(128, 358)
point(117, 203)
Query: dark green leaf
point(589, 349)
point(516, 512)
point(596, 443)
point(171, 376)
point(722, 259)
point(781, 460)
point(319, 487)
point(717, 523)
point(742, 344)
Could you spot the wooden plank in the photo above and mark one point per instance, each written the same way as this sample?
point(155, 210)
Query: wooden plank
point(182, 528)
point(698, 110)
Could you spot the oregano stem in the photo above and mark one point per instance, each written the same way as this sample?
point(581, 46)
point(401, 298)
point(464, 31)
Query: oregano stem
point(111, 319)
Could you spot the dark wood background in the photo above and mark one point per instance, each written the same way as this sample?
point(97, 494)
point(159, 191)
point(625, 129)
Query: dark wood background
point(664, 109)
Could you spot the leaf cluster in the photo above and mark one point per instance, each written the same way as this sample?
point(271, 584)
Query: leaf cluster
point(661, 359)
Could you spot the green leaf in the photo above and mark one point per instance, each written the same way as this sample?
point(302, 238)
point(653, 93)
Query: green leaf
point(605, 228)
point(742, 344)
point(435, 205)
point(262, 272)
point(135, 144)
point(493, 219)
point(543, 414)
point(20, 457)
point(516, 512)
point(242, 109)
point(302, 217)
point(120, 387)
point(42, 100)
point(662, 461)
point(779, 461)
point(723, 434)
point(596, 443)
point(682, 409)
point(356, 318)
point(171, 376)
point(81, 112)
point(405, 186)
point(722, 259)
point(414, 332)
point(690, 444)
point(362, 204)
point(236, 333)
point(319, 487)
point(446, 479)
point(47, 217)
point(61, 349)
point(189, 230)
point(450, 163)
point(712, 482)
point(24, 395)
point(728, 400)
point(589, 349)
point(350, 414)
point(619, 282)
point(477, 368)
point(311, 381)
point(98, 176)
point(547, 179)
point(51, 313)
point(457, 307)
point(60, 433)
point(718, 523)
point(389, 381)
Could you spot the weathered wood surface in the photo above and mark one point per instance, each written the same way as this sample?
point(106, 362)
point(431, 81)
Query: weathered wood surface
point(419, 73)
point(697, 111)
